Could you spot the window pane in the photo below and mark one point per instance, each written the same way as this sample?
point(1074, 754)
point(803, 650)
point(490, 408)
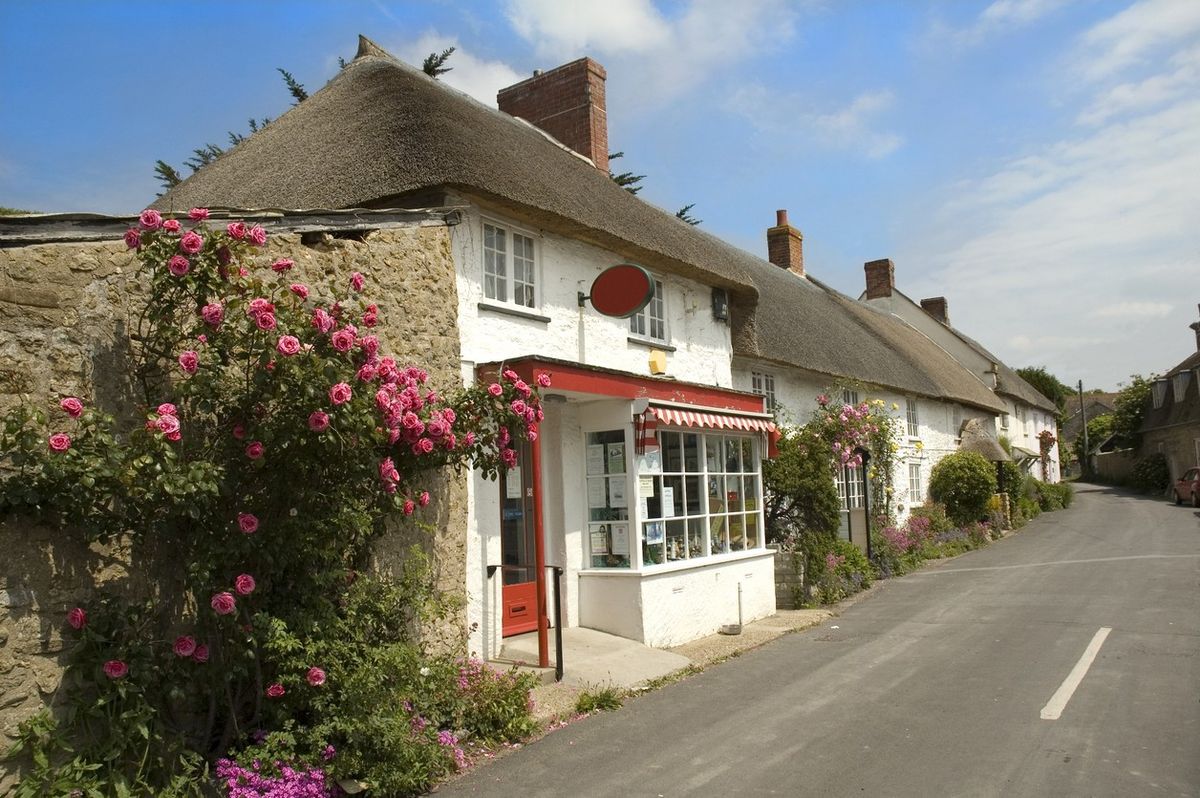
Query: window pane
point(523, 270)
point(733, 493)
point(750, 499)
point(748, 463)
point(737, 533)
point(691, 453)
point(672, 452)
point(672, 486)
point(654, 507)
point(653, 540)
point(695, 527)
point(495, 266)
point(693, 504)
point(718, 541)
point(716, 494)
point(712, 454)
point(676, 540)
point(733, 451)
point(752, 530)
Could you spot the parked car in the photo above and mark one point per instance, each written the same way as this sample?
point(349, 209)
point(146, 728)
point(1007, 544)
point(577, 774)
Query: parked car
point(1187, 487)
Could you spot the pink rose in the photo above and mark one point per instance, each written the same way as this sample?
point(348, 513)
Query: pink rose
point(213, 313)
point(201, 654)
point(191, 243)
point(469, 438)
point(238, 431)
point(316, 677)
point(409, 506)
point(343, 340)
point(299, 289)
point(275, 691)
point(318, 421)
point(518, 407)
point(166, 409)
point(60, 442)
point(171, 225)
point(340, 394)
point(543, 380)
point(167, 425)
point(322, 320)
point(423, 499)
point(356, 281)
point(244, 584)
point(257, 236)
point(189, 361)
point(72, 407)
point(115, 669)
point(223, 603)
point(282, 265)
point(178, 265)
point(510, 375)
point(259, 305)
point(255, 450)
point(198, 214)
point(288, 345)
point(367, 372)
point(370, 316)
point(185, 646)
point(133, 239)
point(494, 389)
point(248, 523)
point(236, 230)
point(150, 219)
point(77, 618)
point(265, 321)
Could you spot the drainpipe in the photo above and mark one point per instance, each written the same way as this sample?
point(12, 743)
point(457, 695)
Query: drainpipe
point(539, 549)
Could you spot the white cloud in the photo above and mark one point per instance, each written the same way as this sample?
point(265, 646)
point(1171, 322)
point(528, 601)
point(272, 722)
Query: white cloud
point(1133, 310)
point(566, 29)
point(1138, 34)
point(854, 127)
point(1154, 91)
point(1001, 17)
point(471, 75)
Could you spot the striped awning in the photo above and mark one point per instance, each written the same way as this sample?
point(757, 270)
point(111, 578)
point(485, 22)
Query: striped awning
point(678, 417)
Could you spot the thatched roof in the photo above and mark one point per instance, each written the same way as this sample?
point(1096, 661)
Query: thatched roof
point(1008, 382)
point(803, 323)
point(381, 129)
point(975, 437)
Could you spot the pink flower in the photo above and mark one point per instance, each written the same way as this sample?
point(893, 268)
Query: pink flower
point(322, 320)
point(370, 316)
point(60, 442)
point(518, 407)
point(248, 523)
point(236, 230)
point(257, 236)
point(191, 243)
point(409, 506)
point(282, 265)
point(213, 313)
point(422, 446)
point(72, 407)
point(509, 457)
point(185, 646)
point(223, 603)
point(133, 239)
point(288, 345)
point(318, 421)
point(494, 389)
point(369, 344)
point(198, 214)
point(255, 450)
point(543, 380)
point(115, 669)
point(356, 281)
point(77, 618)
point(423, 499)
point(178, 265)
point(299, 289)
point(367, 372)
point(265, 321)
point(171, 225)
point(201, 654)
point(469, 438)
point(150, 219)
point(343, 339)
point(244, 584)
point(510, 375)
point(275, 691)
point(168, 425)
point(316, 677)
point(166, 409)
point(238, 432)
point(189, 361)
point(340, 394)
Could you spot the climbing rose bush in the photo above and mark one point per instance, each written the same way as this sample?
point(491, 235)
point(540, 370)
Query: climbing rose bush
point(276, 436)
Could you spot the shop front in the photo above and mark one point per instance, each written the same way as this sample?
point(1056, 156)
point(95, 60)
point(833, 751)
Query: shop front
point(648, 494)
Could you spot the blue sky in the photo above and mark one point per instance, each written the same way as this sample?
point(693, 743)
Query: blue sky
point(1035, 161)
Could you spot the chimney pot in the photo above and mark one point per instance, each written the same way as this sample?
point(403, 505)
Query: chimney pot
point(568, 103)
point(881, 278)
point(937, 308)
point(785, 245)
point(1196, 326)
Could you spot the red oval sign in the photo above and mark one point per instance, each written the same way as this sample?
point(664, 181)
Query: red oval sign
point(622, 290)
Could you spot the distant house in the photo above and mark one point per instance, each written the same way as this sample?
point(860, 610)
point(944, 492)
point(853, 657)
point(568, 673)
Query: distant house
point(1027, 413)
point(1171, 426)
point(1094, 406)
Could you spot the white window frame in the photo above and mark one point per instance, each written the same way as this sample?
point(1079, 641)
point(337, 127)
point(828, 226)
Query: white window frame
point(1004, 421)
point(642, 323)
point(509, 285)
point(1158, 392)
point(850, 397)
point(850, 487)
point(763, 384)
point(1179, 384)
point(916, 491)
point(911, 417)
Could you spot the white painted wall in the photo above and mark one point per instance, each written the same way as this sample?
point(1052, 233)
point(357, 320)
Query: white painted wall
point(682, 605)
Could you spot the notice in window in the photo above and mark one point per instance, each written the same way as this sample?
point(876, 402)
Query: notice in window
point(512, 483)
point(655, 532)
point(620, 539)
point(599, 540)
point(668, 502)
point(595, 459)
point(645, 487)
point(596, 496)
point(616, 459)
point(616, 492)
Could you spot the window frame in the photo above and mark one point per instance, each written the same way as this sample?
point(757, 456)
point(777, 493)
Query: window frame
point(1179, 384)
point(919, 497)
point(644, 318)
point(912, 419)
point(1158, 393)
point(511, 232)
point(763, 384)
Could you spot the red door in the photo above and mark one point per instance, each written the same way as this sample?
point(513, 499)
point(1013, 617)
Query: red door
point(517, 547)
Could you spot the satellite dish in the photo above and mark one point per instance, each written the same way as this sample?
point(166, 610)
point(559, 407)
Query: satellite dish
point(620, 291)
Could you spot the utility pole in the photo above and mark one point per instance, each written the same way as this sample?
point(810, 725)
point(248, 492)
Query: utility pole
point(1084, 466)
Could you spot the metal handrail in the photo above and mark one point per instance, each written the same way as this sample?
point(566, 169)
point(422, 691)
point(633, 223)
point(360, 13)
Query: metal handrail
point(558, 622)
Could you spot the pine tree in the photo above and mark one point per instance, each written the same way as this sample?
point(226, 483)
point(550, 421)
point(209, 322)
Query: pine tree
point(435, 63)
point(626, 180)
point(294, 87)
point(684, 213)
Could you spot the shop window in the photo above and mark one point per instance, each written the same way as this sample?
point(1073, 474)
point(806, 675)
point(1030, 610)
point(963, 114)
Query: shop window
point(609, 528)
point(701, 496)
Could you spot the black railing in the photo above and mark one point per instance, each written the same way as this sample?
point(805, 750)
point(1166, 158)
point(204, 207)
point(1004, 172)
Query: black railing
point(558, 621)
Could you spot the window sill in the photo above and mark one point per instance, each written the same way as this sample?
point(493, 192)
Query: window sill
point(513, 310)
point(650, 343)
point(711, 561)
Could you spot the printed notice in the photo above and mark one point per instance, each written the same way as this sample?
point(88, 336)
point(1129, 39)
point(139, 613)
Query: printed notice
point(668, 502)
point(596, 497)
point(595, 459)
point(616, 458)
point(620, 538)
point(512, 483)
point(599, 541)
point(645, 487)
point(616, 492)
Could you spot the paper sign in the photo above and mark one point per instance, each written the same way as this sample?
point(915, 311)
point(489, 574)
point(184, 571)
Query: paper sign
point(643, 509)
point(655, 531)
point(599, 541)
point(596, 496)
point(616, 492)
point(620, 539)
point(595, 459)
point(616, 458)
point(668, 502)
point(645, 487)
point(512, 483)
point(650, 462)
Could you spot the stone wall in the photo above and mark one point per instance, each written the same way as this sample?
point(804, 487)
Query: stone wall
point(789, 580)
point(65, 313)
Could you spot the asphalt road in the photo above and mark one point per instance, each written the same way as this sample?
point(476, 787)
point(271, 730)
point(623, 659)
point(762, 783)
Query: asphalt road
point(936, 684)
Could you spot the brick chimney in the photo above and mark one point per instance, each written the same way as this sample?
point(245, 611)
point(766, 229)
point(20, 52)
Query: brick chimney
point(785, 245)
point(881, 278)
point(568, 103)
point(1196, 327)
point(936, 307)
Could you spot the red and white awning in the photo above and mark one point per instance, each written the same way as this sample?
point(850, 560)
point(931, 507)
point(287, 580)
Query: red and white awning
point(677, 417)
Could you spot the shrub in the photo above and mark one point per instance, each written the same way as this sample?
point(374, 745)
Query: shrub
point(600, 699)
point(845, 571)
point(1014, 478)
point(963, 482)
point(1151, 473)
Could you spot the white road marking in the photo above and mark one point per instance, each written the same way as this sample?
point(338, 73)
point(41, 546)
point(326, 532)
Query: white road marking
point(935, 571)
point(1058, 702)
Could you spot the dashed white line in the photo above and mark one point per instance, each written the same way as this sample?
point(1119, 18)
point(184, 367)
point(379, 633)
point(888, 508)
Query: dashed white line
point(1058, 702)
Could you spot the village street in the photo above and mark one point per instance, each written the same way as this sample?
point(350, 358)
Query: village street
point(968, 678)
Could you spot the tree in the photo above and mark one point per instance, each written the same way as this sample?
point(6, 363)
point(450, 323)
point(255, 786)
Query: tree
point(963, 481)
point(1131, 404)
point(1047, 385)
point(1098, 429)
point(435, 63)
point(295, 87)
point(685, 214)
point(626, 180)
